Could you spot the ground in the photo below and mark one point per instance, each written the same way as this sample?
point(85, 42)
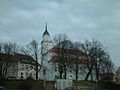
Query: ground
point(38, 85)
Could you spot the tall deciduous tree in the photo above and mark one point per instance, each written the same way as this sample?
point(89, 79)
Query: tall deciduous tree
point(62, 43)
point(98, 56)
point(33, 50)
point(75, 65)
point(7, 49)
point(80, 61)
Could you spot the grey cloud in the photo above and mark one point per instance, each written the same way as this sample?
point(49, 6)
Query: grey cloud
point(23, 20)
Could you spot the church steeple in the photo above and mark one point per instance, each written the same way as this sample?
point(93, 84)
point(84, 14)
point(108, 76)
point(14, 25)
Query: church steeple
point(46, 42)
point(46, 35)
point(46, 31)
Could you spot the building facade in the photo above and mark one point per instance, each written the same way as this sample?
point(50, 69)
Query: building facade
point(48, 53)
point(17, 66)
point(22, 66)
point(47, 71)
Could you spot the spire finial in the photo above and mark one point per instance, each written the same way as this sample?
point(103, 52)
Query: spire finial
point(46, 27)
point(46, 32)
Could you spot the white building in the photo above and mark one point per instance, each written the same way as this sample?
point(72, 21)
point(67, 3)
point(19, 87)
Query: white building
point(48, 71)
point(17, 66)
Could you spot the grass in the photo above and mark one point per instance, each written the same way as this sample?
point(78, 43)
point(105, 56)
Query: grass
point(84, 83)
point(35, 85)
point(23, 85)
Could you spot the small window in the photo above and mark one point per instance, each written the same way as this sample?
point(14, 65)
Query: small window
point(21, 77)
point(21, 73)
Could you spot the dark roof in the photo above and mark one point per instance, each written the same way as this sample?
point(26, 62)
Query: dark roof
point(16, 58)
point(106, 75)
point(46, 32)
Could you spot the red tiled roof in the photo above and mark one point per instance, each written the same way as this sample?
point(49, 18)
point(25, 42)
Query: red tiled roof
point(54, 59)
point(105, 75)
point(83, 59)
point(70, 51)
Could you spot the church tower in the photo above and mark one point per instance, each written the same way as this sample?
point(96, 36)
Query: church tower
point(46, 45)
point(46, 42)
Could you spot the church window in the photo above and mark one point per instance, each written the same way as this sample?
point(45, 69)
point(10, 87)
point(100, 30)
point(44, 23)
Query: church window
point(21, 73)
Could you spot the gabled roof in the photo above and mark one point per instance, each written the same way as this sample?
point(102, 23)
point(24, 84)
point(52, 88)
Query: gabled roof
point(16, 58)
point(82, 59)
point(70, 51)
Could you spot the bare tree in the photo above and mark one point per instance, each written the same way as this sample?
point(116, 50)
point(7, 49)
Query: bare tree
point(86, 47)
point(6, 50)
point(107, 65)
point(97, 55)
point(33, 50)
point(0, 47)
point(1, 62)
point(80, 61)
point(67, 54)
point(76, 66)
point(62, 45)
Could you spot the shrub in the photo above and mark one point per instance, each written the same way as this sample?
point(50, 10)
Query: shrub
point(29, 78)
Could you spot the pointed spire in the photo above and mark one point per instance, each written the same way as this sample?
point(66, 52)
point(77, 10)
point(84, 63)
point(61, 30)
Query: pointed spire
point(46, 32)
point(46, 27)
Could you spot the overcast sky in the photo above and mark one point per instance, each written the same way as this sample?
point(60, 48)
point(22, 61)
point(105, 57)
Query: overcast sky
point(24, 20)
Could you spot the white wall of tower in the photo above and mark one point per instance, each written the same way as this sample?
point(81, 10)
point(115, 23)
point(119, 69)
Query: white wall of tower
point(46, 45)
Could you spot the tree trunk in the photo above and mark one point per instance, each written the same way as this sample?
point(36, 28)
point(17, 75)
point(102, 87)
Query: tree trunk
point(65, 73)
point(89, 73)
point(76, 74)
point(97, 74)
point(60, 70)
point(36, 66)
point(60, 75)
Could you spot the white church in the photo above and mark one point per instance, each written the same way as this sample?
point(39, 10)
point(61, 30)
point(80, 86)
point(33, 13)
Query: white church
point(48, 71)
